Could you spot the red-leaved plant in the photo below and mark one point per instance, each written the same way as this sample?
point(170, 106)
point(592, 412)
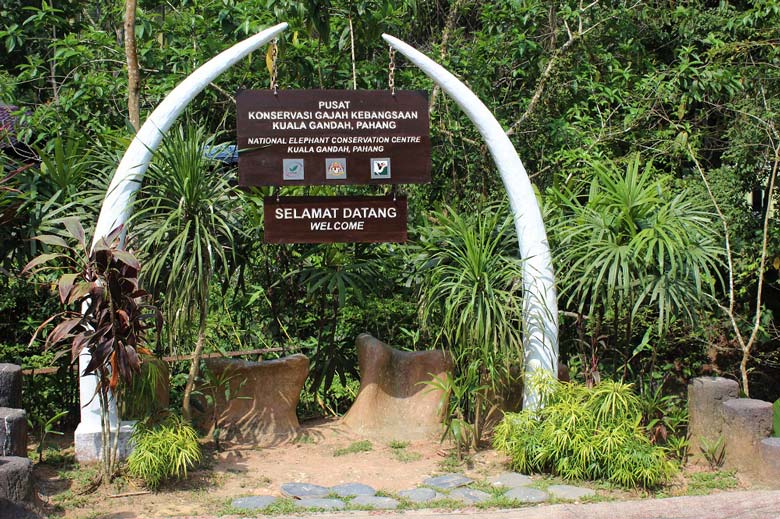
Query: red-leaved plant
point(112, 321)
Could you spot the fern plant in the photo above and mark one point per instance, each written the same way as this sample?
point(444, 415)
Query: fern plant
point(162, 451)
point(583, 433)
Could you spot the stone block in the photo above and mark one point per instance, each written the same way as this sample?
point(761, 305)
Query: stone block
point(10, 386)
point(746, 422)
point(394, 401)
point(16, 479)
point(705, 397)
point(13, 432)
point(769, 453)
point(264, 396)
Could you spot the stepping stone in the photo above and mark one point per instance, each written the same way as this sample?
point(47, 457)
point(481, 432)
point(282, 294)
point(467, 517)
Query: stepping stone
point(352, 489)
point(377, 502)
point(526, 495)
point(325, 504)
point(447, 481)
point(570, 492)
point(511, 480)
point(469, 495)
point(304, 490)
point(419, 495)
point(253, 502)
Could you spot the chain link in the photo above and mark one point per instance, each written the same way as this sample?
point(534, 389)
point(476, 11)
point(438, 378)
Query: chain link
point(274, 68)
point(391, 72)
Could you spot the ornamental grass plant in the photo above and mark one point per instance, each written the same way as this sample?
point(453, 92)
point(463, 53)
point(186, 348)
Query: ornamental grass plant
point(164, 450)
point(585, 433)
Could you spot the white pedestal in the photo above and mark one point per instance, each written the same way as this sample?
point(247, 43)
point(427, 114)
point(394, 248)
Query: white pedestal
point(88, 438)
point(89, 442)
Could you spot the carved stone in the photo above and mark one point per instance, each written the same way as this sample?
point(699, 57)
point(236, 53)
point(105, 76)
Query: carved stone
point(769, 452)
point(13, 432)
point(10, 386)
point(16, 480)
point(705, 399)
point(746, 422)
point(394, 401)
point(264, 396)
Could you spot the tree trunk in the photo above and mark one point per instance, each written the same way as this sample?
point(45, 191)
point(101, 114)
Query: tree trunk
point(186, 409)
point(133, 75)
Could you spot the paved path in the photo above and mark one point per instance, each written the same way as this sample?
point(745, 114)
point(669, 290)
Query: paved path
point(726, 505)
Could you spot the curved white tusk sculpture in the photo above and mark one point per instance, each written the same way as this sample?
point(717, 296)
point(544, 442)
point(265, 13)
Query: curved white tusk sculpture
point(540, 305)
point(117, 207)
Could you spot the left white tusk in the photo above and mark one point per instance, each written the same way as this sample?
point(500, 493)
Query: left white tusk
point(117, 206)
point(540, 305)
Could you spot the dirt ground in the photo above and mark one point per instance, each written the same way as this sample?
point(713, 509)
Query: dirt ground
point(312, 457)
point(241, 471)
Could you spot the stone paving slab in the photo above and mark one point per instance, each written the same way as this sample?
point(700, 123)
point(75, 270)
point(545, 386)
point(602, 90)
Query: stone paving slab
point(510, 480)
point(448, 481)
point(353, 489)
point(527, 495)
point(570, 492)
point(304, 490)
point(418, 495)
point(323, 503)
point(377, 502)
point(469, 495)
point(753, 504)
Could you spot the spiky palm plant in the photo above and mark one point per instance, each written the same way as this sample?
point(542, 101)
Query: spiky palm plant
point(625, 243)
point(471, 297)
point(185, 225)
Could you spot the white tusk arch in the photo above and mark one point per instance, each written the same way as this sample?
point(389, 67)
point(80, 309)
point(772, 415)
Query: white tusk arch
point(540, 305)
point(117, 206)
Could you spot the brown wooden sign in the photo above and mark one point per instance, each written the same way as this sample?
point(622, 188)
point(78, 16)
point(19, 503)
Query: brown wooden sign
point(325, 219)
point(332, 137)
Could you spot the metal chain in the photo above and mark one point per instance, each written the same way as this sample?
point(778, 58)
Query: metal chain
point(391, 72)
point(274, 68)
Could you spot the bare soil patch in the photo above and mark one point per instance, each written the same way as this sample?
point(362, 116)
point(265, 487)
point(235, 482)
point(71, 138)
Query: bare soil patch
point(320, 454)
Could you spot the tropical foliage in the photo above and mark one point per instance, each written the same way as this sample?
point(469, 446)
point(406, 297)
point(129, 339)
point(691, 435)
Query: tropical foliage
point(583, 433)
point(649, 129)
point(110, 322)
point(163, 450)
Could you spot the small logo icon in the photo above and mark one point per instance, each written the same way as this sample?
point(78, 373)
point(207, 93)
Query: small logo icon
point(380, 168)
point(335, 169)
point(292, 169)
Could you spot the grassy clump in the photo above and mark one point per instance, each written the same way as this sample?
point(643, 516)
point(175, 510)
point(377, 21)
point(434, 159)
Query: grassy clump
point(164, 450)
point(400, 452)
point(583, 433)
point(701, 483)
point(355, 447)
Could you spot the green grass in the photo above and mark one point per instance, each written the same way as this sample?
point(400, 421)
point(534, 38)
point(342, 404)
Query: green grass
point(359, 446)
point(400, 452)
point(701, 483)
point(305, 439)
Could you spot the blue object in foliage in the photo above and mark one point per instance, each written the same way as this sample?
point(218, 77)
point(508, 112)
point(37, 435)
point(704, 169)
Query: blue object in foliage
point(225, 153)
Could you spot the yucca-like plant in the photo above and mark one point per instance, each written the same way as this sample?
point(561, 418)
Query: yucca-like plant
point(625, 240)
point(583, 433)
point(185, 225)
point(162, 451)
point(471, 300)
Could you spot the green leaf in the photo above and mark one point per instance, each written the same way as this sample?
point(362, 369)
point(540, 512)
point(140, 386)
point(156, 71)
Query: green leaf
point(50, 239)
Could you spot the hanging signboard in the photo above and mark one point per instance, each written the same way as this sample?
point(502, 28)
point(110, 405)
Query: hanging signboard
point(332, 137)
point(325, 219)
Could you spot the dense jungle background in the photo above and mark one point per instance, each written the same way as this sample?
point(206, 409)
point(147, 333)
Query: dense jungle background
point(649, 128)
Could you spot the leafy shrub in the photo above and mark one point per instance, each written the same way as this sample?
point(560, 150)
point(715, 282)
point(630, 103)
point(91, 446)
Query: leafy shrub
point(583, 433)
point(164, 450)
